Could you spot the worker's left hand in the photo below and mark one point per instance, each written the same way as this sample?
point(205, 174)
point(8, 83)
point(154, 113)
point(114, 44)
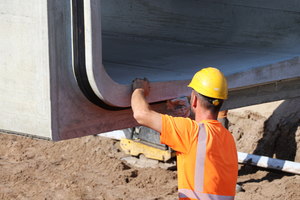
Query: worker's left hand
point(143, 84)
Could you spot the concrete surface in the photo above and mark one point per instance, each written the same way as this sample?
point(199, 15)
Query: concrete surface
point(24, 64)
point(256, 45)
point(251, 43)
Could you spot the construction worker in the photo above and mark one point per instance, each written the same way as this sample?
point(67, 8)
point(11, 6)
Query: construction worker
point(207, 162)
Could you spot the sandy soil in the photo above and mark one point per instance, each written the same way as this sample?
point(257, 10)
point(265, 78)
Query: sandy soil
point(91, 168)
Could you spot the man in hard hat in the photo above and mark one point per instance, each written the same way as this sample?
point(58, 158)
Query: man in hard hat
point(207, 162)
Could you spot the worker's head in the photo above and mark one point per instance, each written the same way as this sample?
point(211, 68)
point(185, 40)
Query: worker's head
point(210, 86)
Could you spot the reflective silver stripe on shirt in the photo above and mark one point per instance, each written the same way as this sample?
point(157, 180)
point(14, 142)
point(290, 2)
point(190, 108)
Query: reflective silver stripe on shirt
point(185, 193)
point(200, 159)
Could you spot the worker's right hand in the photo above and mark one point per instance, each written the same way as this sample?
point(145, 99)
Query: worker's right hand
point(142, 84)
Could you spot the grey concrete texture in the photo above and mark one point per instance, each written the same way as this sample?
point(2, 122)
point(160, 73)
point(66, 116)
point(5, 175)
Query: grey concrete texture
point(256, 46)
point(73, 115)
point(39, 93)
point(252, 43)
point(24, 64)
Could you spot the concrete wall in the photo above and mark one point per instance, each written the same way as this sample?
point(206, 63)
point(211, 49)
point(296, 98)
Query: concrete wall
point(24, 63)
point(39, 93)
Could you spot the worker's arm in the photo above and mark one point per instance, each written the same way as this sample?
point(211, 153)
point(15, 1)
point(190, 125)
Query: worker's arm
point(140, 107)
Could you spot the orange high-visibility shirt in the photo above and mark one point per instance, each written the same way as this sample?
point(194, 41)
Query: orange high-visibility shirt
point(207, 162)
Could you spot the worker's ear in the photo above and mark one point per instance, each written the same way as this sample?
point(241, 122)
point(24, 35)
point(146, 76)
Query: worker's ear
point(194, 100)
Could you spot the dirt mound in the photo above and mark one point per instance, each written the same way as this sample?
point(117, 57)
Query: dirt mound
point(276, 136)
point(82, 168)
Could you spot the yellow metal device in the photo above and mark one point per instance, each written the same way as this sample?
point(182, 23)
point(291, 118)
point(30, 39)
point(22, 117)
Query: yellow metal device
point(136, 148)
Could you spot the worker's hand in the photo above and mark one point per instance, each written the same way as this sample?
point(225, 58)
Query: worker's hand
point(143, 84)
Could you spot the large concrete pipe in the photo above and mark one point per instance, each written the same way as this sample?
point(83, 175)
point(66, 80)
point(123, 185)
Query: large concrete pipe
point(67, 66)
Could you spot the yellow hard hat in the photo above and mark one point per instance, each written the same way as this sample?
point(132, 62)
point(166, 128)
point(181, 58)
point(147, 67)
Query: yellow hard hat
point(210, 82)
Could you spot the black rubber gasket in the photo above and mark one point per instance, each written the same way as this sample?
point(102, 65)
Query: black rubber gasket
point(79, 57)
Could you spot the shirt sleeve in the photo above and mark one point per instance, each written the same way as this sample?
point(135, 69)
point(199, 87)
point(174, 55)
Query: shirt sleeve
point(178, 132)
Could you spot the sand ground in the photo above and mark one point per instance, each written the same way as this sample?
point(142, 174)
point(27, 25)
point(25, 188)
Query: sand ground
point(91, 168)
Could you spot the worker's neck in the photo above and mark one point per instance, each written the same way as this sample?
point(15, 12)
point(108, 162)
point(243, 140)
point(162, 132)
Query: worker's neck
point(205, 115)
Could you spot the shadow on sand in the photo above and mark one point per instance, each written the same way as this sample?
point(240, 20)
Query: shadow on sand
point(278, 141)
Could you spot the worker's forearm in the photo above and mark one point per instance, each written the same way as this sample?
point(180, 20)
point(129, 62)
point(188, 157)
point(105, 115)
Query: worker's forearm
point(143, 113)
point(139, 104)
